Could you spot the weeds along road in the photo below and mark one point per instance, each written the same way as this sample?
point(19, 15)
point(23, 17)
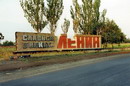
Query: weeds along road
point(112, 72)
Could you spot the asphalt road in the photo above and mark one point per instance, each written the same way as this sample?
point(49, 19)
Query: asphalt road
point(114, 72)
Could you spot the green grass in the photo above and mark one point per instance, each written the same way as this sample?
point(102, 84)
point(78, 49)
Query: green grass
point(6, 52)
point(73, 55)
point(122, 45)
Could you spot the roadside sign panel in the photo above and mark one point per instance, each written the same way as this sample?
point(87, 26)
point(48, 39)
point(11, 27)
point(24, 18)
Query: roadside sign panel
point(47, 42)
point(79, 42)
point(35, 41)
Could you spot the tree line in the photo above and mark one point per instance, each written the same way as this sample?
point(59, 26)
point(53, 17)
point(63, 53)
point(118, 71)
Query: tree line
point(87, 19)
point(7, 43)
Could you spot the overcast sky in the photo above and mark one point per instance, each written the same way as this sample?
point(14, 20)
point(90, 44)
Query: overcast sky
point(12, 17)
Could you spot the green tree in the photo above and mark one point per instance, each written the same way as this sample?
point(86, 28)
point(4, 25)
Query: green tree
point(65, 26)
point(8, 43)
point(111, 33)
point(127, 40)
point(90, 16)
point(86, 16)
point(88, 20)
point(34, 12)
point(75, 15)
point(101, 23)
point(96, 16)
point(96, 6)
point(53, 12)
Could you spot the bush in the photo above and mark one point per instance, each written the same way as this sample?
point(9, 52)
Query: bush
point(8, 43)
point(127, 40)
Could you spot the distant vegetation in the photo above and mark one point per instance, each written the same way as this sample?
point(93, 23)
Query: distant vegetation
point(127, 40)
point(7, 43)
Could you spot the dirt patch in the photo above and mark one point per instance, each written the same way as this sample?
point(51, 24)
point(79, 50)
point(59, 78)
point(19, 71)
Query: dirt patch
point(17, 64)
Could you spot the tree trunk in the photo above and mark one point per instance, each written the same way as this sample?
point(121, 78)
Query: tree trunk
point(52, 28)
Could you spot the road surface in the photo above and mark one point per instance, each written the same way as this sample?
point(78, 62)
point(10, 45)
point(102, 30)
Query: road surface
point(114, 72)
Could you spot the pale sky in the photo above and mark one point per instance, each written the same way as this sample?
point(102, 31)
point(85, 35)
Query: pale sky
point(12, 17)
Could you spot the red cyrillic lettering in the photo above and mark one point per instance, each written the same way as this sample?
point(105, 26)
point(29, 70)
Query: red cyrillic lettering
point(96, 42)
point(70, 42)
point(88, 42)
point(80, 41)
point(62, 41)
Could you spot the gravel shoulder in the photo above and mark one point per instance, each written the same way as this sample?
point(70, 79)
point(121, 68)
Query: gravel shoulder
point(32, 71)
